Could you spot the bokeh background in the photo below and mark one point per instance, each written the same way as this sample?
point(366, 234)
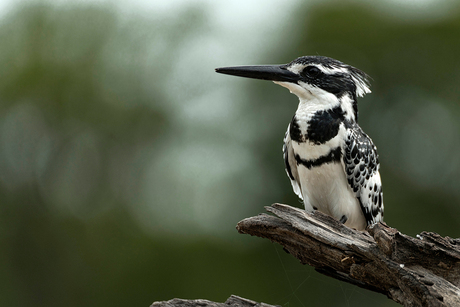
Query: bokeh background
point(126, 161)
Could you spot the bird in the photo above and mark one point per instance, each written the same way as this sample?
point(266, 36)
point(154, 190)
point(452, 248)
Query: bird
point(332, 164)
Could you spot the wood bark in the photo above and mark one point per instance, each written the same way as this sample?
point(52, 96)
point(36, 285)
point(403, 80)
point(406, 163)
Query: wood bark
point(232, 301)
point(421, 271)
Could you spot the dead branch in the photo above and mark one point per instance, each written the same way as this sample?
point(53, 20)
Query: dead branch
point(232, 301)
point(422, 271)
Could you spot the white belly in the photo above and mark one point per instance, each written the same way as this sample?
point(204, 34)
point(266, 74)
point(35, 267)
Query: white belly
point(326, 188)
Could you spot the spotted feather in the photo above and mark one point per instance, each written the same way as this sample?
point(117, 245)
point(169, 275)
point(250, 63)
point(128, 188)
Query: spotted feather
point(361, 164)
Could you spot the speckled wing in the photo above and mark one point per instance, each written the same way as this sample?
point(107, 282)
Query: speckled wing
point(361, 164)
point(291, 164)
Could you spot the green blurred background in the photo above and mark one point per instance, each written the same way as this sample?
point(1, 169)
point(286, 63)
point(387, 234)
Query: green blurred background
point(126, 162)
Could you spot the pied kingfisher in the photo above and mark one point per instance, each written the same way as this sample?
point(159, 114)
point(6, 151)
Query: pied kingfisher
point(332, 164)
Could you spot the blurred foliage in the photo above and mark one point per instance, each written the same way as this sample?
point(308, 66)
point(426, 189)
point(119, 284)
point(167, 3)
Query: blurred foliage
point(113, 191)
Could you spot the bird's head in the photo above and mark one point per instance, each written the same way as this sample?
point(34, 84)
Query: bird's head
point(314, 79)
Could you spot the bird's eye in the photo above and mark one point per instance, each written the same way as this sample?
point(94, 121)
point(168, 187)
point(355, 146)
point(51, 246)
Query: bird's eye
point(311, 71)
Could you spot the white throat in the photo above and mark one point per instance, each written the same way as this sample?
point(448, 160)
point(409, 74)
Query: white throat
point(314, 99)
point(311, 96)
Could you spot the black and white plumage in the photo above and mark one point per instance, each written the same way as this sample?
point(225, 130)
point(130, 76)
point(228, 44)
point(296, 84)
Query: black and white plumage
point(332, 164)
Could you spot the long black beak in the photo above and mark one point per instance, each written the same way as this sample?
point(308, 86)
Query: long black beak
point(265, 72)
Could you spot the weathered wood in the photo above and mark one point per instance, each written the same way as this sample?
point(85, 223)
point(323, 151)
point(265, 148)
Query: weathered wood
point(422, 271)
point(232, 301)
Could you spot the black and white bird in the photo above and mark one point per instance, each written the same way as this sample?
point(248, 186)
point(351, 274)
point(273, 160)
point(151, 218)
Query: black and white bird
point(332, 164)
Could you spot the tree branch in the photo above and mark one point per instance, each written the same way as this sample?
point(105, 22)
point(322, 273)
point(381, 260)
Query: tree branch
point(422, 271)
point(232, 301)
